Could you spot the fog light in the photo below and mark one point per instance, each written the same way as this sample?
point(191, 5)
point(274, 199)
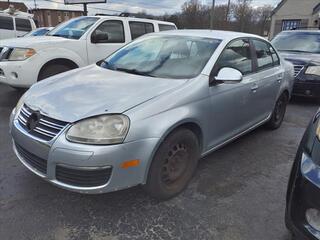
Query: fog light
point(313, 218)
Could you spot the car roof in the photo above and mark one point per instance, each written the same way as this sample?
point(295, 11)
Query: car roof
point(133, 19)
point(217, 34)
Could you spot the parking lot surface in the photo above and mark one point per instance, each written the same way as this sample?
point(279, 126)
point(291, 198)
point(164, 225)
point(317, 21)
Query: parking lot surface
point(238, 192)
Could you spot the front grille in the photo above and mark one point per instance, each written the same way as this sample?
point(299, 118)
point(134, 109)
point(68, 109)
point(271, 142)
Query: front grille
point(45, 128)
point(83, 178)
point(31, 159)
point(298, 69)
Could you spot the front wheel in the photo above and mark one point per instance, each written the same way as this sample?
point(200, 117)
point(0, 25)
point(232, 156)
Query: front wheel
point(278, 112)
point(173, 165)
point(52, 70)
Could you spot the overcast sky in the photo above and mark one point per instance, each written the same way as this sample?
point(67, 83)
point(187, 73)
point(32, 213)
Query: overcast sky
point(151, 6)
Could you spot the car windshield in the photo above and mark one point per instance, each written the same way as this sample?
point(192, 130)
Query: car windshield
point(74, 28)
point(174, 57)
point(298, 42)
point(37, 32)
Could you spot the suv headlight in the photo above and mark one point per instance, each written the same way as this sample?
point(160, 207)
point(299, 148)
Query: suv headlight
point(313, 70)
point(100, 130)
point(21, 54)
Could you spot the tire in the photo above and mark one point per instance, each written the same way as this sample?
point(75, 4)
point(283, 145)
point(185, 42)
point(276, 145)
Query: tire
point(173, 165)
point(278, 113)
point(52, 70)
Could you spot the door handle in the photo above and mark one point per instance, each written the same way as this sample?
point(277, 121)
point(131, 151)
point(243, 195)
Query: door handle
point(254, 88)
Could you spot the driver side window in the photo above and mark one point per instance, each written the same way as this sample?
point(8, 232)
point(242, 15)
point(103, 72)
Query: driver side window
point(114, 29)
point(236, 55)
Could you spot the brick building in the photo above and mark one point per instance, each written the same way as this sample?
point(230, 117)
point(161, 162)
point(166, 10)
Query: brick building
point(45, 16)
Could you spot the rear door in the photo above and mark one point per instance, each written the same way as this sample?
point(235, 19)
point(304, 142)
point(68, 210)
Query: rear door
point(6, 27)
point(116, 39)
point(23, 26)
point(269, 75)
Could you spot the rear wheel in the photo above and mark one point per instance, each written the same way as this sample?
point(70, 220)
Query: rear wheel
point(278, 112)
point(52, 70)
point(173, 165)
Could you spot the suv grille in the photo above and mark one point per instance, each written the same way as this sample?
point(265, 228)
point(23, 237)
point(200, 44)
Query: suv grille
point(34, 161)
point(298, 69)
point(5, 53)
point(38, 125)
point(83, 178)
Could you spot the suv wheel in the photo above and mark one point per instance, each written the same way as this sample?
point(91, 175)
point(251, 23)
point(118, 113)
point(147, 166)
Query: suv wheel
point(52, 70)
point(278, 112)
point(173, 165)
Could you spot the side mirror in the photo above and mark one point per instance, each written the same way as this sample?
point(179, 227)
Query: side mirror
point(228, 75)
point(99, 37)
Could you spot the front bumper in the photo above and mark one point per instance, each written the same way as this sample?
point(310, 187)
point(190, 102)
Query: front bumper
point(19, 73)
point(306, 89)
point(59, 153)
point(305, 195)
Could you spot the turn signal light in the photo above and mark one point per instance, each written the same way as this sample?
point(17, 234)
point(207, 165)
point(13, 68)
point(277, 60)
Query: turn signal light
point(131, 163)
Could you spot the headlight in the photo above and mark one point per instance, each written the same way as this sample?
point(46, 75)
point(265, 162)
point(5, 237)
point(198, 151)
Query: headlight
point(104, 129)
point(313, 70)
point(18, 106)
point(20, 54)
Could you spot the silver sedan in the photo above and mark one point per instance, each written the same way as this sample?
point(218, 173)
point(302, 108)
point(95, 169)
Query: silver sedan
point(146, 114)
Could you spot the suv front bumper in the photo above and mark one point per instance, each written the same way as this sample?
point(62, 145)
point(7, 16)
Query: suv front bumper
point(19, 73)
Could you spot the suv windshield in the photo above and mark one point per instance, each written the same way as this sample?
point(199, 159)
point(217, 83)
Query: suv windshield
point(164, 56)
point(298, 42)
point(74, 28)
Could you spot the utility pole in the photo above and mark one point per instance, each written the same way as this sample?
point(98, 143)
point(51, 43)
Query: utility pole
point(212, 13)
point(85, 9)
point(228, 10)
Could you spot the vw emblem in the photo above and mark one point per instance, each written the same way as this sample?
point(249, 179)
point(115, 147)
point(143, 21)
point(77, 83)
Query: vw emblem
point(33, 121)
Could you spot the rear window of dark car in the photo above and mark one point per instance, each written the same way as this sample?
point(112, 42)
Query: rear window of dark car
point(298, 41)
point(6, 23)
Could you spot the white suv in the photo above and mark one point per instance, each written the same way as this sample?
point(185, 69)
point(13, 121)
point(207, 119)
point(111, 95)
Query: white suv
point(16, 24)
point(75, 43)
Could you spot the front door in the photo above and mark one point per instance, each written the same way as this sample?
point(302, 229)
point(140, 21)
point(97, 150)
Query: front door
point(231, 105)
point(115, 40)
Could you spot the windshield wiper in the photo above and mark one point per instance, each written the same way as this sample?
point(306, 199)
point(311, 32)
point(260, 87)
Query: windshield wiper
point(134, 71)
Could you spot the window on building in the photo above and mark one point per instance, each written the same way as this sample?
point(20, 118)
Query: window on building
point(140, 28)
point(165, 27)
point(114, 29)
point(23, 25)
point(6, 23)
point(290, 24)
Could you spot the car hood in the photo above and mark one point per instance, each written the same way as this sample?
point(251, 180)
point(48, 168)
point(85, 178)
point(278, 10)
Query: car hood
point(300, 58)
point(93, 90)
point(34, 42)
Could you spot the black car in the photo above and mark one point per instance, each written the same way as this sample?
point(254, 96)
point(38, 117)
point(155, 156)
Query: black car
point(302, 49)
point(303, 194)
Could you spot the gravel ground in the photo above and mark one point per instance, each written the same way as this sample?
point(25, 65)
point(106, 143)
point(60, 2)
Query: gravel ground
point(238, 193)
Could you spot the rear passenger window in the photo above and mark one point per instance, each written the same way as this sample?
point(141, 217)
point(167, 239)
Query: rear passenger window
point(236, 55)
point(6, 23)
point(114, 29)
point(275, 57)
point(165, 27)
point(140, 28)
point(23, 25)
point(263, 53)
